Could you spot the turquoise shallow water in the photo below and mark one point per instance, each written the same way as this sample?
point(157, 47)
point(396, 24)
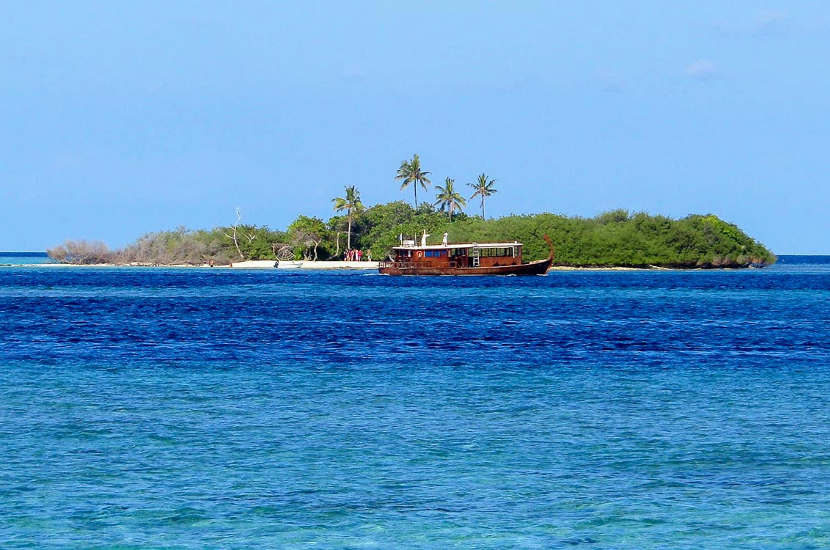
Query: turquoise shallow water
point(17, 258)
point(146, 408)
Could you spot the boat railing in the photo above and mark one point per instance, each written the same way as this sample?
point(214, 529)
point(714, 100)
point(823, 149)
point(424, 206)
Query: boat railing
point(412, 265)
point(404, 265)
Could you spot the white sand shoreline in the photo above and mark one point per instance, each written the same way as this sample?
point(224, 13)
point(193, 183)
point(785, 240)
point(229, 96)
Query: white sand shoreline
point(321, 266)
point(251, 264)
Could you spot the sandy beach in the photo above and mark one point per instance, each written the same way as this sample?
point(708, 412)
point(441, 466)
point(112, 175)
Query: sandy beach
point(316, 266)
point(251, 264)
point(302, 264)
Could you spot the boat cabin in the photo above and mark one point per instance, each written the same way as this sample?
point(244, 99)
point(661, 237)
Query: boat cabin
point(457, 255)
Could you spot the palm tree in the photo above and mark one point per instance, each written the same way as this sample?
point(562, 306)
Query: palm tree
point(483, 188)
point(410, 172)
point(448, 198)
point(351, 204)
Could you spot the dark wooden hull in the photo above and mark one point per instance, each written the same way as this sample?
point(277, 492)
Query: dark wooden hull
point(539, 267)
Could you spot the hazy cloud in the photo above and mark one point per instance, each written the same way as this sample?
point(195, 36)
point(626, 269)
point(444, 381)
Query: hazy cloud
point(770, 22)
point(610, 82)
point(353, 71)
point(702, 69)
point(759, 24)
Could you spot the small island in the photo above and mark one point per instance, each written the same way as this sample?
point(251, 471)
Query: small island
point(612, 239)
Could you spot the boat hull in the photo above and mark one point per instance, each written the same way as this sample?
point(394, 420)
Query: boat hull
point(539, 267)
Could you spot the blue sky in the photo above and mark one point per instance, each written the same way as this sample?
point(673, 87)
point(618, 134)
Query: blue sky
point(123, 118)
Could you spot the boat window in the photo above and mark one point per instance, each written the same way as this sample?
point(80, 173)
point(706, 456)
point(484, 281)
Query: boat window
point(496, 252)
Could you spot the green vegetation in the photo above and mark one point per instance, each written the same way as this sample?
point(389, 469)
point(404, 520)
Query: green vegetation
point(351, 204)
point(615, 238)
point(448, 199)
point(483, 188)
point(410, 173)
point(306, 234)
point(620, 239)
point(179, 247)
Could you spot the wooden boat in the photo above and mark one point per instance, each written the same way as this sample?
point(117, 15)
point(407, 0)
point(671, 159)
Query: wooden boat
point(463, 259)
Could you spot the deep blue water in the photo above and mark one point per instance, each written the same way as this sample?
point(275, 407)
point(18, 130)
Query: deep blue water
point(156, 408)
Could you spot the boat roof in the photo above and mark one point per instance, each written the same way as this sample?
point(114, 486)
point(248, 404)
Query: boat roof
point(455, 245)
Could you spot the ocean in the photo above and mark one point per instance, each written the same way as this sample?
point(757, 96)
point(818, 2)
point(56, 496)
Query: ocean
point(25, 258)
point(182, 408)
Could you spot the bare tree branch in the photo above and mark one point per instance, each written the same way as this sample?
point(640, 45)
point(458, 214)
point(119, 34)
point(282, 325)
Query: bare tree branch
point(233, 237)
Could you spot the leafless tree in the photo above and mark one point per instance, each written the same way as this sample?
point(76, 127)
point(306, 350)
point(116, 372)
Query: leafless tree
point(233, 233)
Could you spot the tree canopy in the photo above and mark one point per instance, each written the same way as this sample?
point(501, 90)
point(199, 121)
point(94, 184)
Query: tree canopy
point(350, 202)
point(483, 188)
point(410, 172)
point(615, 238)
point(448, 199)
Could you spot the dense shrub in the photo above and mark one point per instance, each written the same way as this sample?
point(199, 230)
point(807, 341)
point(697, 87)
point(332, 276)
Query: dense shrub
point(179, 247)
point(82, 252)
point(612, 239)
point(615, 238)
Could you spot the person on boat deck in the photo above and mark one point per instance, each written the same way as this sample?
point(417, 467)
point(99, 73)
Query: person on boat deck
point(444, 239)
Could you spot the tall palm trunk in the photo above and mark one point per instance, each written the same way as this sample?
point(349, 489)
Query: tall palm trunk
point(415, 187)
point(349, 234)
point(483, 215)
